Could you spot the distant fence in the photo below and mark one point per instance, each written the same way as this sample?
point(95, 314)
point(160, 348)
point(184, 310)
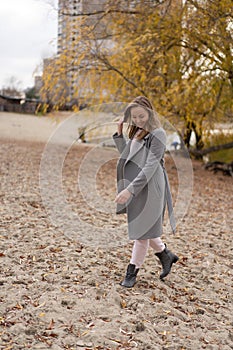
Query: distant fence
point(17, 105)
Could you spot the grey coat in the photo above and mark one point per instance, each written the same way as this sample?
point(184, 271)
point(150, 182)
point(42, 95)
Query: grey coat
point(141, 171)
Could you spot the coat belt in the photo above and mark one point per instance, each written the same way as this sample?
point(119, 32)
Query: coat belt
point(169, 199)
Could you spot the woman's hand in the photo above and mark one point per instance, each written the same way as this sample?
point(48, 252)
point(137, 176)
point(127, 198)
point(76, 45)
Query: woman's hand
point(123, 197)
point(120, 126)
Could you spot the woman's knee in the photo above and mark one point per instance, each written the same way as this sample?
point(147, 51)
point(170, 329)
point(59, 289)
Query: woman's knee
point(142, 243)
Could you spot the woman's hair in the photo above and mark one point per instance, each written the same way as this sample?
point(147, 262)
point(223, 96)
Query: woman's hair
point(152, 123)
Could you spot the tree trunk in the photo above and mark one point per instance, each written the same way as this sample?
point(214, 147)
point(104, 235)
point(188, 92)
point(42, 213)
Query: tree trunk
point(191, 126)
point(198, 135)
point(187, 133)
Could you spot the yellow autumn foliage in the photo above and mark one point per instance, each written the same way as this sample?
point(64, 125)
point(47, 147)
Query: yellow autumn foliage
point(178, 54)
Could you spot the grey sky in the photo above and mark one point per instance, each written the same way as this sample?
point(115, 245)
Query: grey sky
point(28, 30)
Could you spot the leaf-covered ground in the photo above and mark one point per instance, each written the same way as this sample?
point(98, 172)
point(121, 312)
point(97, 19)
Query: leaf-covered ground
point(60, 293)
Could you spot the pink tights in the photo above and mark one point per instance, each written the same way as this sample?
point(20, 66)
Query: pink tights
point(140, 249)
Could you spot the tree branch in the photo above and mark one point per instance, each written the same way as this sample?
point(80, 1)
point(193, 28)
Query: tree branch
point(87, 14)
point(111, 67)
point(211, 149)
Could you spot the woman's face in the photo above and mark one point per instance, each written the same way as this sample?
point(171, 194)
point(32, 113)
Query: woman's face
point(139, 116)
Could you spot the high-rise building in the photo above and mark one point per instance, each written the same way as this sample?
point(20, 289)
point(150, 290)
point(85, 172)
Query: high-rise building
point(67, 23)
point(74, 18)
point(70, 22)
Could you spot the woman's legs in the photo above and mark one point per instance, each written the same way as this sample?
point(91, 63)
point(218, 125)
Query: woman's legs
point(157, 244)
point(138, 255)
point(139, 252)
point(140, 249)
point(166, 257)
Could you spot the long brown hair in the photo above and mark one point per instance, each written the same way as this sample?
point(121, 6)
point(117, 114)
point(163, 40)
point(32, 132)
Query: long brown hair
point(151, 124)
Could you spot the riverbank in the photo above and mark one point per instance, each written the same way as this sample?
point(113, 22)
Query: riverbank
point(63, 293)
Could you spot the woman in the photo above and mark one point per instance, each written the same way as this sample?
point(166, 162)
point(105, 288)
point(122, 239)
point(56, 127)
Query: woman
point(143, 187)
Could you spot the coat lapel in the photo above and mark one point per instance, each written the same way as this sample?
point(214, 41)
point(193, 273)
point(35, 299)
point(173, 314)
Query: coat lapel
point(136, 148)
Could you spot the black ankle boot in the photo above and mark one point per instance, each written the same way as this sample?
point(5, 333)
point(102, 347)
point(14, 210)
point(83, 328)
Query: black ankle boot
point(130, 277)
point(166, 258)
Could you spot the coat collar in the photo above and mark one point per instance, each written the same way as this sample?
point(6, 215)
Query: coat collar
point(140, 145)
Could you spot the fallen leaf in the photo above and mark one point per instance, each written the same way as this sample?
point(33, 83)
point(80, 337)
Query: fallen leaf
point(51, 324)
point(40, 305)
point(123, 304)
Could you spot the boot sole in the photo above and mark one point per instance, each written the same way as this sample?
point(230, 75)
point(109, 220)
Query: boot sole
point(175, 259)
point(127, 286)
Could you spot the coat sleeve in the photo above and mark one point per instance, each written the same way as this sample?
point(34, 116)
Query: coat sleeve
point(119, 141)
point(156, 151)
